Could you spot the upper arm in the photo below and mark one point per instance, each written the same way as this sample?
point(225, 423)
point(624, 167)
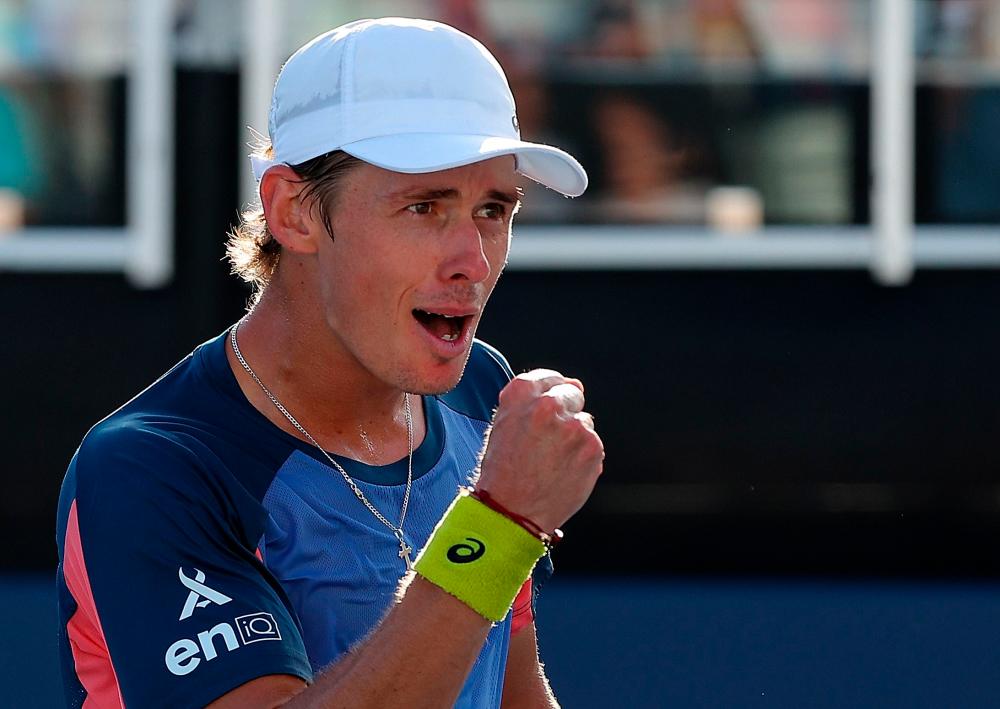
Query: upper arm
point(165, 604)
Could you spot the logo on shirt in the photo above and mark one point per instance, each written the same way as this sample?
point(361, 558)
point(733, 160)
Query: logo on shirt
point(201, 595)
point(256, 627)
point(464, 553)
point(184, 656)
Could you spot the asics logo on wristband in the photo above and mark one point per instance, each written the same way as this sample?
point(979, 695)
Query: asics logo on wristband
point(464, 553)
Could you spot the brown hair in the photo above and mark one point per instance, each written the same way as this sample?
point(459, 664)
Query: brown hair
point(252, 250)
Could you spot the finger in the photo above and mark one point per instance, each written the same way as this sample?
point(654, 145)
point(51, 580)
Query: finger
point(543, 379)
point(586, 419)
point(548, 378)
point(569, 395)
point(539, 374)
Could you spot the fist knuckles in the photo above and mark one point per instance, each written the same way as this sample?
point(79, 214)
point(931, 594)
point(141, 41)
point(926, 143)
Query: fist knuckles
point(542, 456)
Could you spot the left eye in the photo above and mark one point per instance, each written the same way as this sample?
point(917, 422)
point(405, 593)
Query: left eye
point(420, 208)
point(491, 211)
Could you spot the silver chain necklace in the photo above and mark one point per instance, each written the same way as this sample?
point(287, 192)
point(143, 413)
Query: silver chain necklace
point(404, 549)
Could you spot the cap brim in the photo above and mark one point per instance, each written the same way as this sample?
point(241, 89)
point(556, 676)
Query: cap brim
point(430, 152)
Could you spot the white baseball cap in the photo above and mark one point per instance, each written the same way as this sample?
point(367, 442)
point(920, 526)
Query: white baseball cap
point(405, 95)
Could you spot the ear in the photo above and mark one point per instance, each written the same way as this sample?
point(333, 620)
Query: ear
point(288, 218)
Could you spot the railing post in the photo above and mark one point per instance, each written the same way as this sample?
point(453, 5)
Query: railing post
point(149, 204)
point(892, 130)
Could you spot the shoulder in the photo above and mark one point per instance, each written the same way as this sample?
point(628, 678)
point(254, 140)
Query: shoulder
point(137, 478)
point(129, 484)
point(162, 438)
point(131, 437)
point(178, 422)
point(486, 373)
point(128, 461)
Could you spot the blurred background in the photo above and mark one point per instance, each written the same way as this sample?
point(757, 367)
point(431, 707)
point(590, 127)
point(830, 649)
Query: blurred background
point(781, 289)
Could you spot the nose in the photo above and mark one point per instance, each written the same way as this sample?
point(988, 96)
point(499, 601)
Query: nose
point(465, 258)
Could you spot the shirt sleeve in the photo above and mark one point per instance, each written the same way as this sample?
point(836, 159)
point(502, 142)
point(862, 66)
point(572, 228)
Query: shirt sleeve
point(173, 607)
point(521, 612)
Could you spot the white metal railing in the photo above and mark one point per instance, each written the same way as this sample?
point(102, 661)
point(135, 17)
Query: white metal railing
point(68, 250)
point(892, 122)
point(150, 152)
point(803, 248)
point(262, 48)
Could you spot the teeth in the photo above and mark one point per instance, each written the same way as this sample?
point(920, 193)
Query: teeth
point(450, 337)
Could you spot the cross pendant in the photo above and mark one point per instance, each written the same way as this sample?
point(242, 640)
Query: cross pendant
point(404, 553)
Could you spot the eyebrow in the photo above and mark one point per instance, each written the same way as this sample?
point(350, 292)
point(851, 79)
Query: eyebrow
point(452, 193)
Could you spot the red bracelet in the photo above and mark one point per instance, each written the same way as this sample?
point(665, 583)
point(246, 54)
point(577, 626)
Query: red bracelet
point(550, 540)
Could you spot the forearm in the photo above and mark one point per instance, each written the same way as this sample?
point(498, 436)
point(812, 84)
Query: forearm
point(419, 656)
point(525, 685)
point(536, 694)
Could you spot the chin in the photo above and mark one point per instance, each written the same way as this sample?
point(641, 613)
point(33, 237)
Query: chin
point(435, 386)
point(444, 377)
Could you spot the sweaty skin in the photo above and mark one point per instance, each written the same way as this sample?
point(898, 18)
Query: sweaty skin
point(335, 337)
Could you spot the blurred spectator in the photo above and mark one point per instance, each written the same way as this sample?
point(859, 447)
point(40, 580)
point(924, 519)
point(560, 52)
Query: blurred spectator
point(646, 174)
point(615, 31)
point(967, 149)
point(956, 28)
point(960, 39)
point(811, 36)
point(62, 64)
point(19, 160)
point(722, 31)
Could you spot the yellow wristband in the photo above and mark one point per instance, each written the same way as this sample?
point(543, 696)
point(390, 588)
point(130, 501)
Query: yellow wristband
point(479, 556)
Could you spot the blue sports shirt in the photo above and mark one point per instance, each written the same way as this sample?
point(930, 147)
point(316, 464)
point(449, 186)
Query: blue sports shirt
point(202, 547)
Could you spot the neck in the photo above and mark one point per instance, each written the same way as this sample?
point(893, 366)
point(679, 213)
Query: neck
point(302, 363)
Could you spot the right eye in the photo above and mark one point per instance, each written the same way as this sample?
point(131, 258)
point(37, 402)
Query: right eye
point(420, 208)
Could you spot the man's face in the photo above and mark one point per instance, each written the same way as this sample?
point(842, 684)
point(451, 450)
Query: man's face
point(413, 261)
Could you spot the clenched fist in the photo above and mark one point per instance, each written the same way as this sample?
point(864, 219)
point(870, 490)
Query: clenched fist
point(542, 456)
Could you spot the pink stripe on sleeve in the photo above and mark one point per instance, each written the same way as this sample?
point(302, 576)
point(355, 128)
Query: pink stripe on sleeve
point(86, 637)
point(522, 615)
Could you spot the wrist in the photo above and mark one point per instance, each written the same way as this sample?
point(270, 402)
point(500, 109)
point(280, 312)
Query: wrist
point(479, 556)
point(549, 539)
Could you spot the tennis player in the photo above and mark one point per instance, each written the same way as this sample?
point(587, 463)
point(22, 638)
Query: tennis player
point(344, 500)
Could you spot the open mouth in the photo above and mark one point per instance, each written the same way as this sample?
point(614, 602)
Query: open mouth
point(448, 328)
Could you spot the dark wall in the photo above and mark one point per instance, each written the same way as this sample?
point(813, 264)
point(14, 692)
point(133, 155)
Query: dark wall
point(776, 421)
point(758, 393)
point(755, 422)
